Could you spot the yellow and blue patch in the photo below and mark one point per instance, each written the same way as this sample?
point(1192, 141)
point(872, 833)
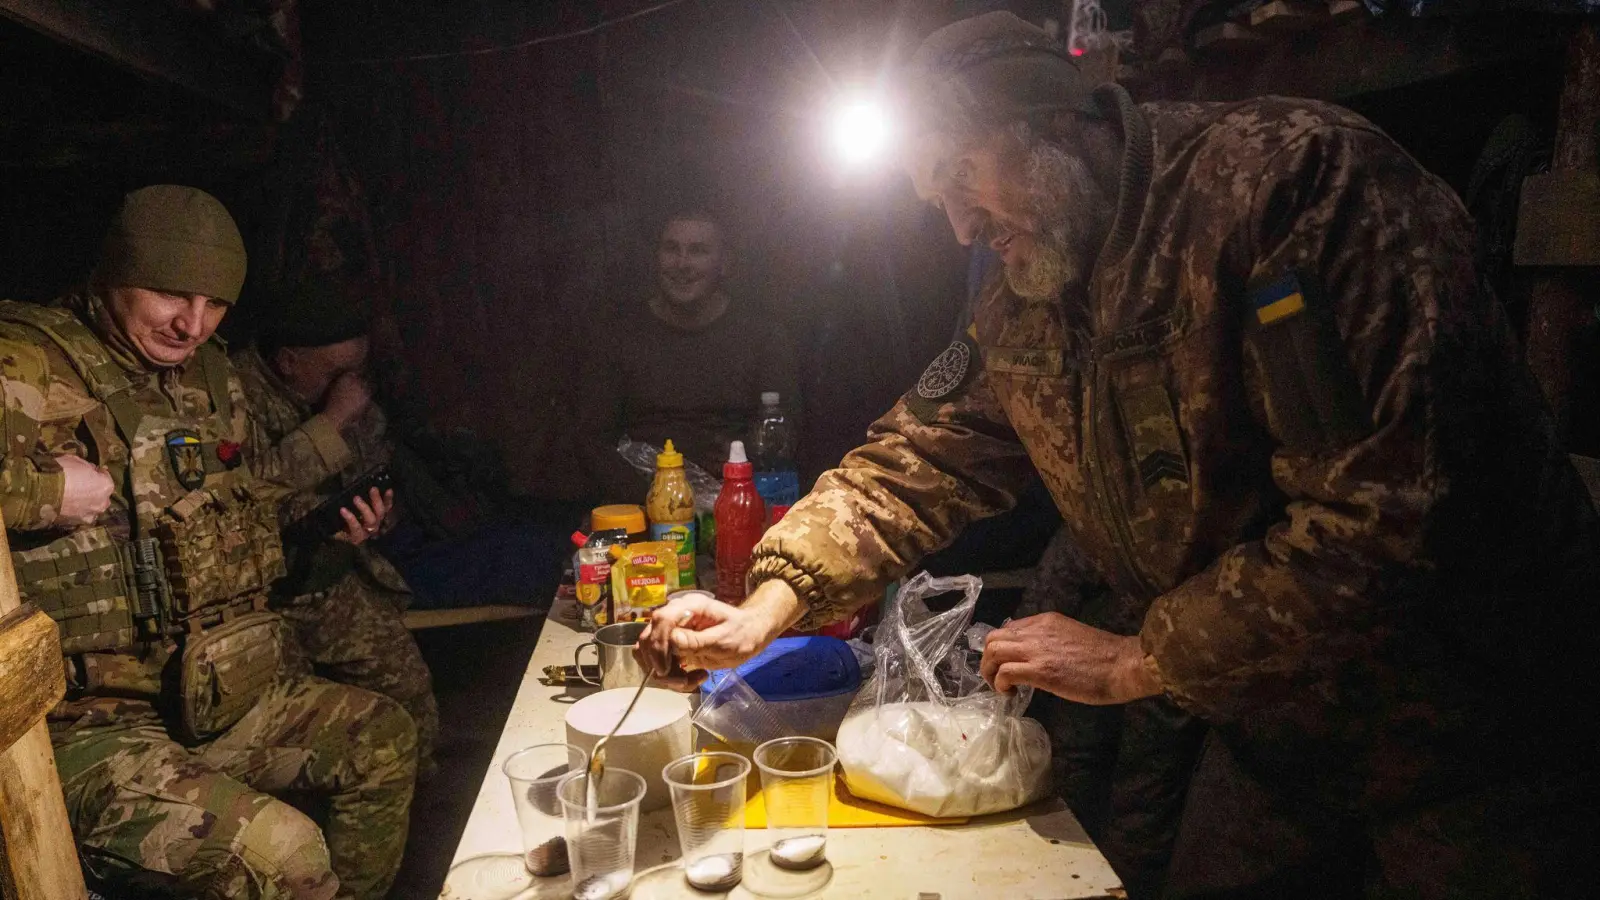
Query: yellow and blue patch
point(1279, 300)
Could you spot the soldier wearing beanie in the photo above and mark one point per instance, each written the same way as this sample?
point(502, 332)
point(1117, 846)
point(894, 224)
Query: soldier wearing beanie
point(304, 381)
point(138, 518)
point(1246, 347)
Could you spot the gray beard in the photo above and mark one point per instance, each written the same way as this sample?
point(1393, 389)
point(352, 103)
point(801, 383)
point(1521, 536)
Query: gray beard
point(1070, 213)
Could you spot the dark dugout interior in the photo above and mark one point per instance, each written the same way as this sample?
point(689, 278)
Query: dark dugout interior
point(489, 172)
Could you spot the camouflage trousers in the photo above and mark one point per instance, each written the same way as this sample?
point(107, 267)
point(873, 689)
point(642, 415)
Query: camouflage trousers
point(152, 816)
point(352, 633)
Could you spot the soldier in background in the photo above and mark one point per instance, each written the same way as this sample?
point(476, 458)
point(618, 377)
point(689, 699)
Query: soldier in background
point(688, 361)
point(1246, 347)
point(304, 381)
point(137, 520)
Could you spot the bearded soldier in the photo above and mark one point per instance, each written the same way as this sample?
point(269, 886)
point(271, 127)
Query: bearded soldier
point(1246, 347)
point(138, 522)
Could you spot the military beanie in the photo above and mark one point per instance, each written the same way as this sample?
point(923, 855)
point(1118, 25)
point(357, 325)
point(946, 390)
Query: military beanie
point(315, 312)
point(989, 70)
point(177, 239)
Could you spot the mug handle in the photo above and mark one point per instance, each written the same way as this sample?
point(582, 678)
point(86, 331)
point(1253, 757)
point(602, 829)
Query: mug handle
point(578, 662)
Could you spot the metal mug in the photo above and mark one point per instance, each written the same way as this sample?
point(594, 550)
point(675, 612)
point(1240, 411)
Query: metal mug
point(613, 645)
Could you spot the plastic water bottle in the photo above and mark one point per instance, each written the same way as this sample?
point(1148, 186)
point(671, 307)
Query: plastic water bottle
point(772, 441)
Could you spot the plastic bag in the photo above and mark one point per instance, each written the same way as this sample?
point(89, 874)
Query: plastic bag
point(926, 733)
point(642, 456)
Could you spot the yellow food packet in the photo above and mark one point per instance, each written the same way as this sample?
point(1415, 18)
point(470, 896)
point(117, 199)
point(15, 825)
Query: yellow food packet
point(642, 576)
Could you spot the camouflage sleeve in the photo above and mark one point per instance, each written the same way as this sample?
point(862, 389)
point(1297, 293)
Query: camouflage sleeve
point(30, 483)
point(300, 459)
point(926, 471)
point(1376, 287)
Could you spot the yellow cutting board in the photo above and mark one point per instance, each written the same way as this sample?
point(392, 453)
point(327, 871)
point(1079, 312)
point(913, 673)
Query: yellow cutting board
point(845, 810)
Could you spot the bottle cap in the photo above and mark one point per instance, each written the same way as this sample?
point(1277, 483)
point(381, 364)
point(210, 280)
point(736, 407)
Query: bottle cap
point(769, 398)
point(620, 516)
point(669, 458)
point(738, 465)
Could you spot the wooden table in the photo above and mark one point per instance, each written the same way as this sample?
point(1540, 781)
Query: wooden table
point(1037, 853)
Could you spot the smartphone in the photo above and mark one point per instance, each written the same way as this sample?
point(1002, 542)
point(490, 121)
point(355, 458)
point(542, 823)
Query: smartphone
point(327, 518)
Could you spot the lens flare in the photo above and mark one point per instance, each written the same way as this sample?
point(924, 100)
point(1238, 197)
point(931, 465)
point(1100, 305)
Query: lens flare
point(861, 131)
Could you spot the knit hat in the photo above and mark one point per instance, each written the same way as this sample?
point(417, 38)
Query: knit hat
point(315, 312)
point(989, 70)
point(172, 238)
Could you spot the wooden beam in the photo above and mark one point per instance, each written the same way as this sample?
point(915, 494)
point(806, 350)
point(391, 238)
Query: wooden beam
point(1346, 10)
point(1338, 63)
point(159, 42)
point(40, 860)
point(1558, 219)
point(418, 619)
point(1229, 37)
point(1561, 302)
point(1288, 16)
point(31, 676)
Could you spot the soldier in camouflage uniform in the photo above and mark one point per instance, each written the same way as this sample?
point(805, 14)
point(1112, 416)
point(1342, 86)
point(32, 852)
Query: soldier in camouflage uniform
point(307, 398)
point(137, 522)
point(1246, 348)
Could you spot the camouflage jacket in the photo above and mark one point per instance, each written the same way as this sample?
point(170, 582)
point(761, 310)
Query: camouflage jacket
point(317, 462)
point(317, 458)
point(50, 409)
point(1285, 413)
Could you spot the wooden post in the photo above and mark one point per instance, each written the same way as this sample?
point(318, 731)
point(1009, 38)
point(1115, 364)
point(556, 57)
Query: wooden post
point(1561, 305)
point(40, 860)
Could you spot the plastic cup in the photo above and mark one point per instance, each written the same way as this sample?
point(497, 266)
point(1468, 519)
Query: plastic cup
point(736, 716)
point(797, 783)
point(708, 791)
point(601, 838)
point(534, 774)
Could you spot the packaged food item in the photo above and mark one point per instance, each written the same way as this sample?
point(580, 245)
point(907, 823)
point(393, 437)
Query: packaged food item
point(741, 520)
point(642, 575)
point(626, 516)
point(591, 574)
point(671, 508)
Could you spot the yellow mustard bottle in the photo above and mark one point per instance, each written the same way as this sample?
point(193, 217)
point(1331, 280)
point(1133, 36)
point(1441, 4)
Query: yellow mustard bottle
point(670, 505)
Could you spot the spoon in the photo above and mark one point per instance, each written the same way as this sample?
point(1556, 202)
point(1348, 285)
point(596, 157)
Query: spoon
point(596, 769)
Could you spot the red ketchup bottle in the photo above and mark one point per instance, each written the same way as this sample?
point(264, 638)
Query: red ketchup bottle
point(741, 519)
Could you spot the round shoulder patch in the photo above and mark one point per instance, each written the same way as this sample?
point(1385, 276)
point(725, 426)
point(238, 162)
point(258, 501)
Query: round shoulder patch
point(946, 373)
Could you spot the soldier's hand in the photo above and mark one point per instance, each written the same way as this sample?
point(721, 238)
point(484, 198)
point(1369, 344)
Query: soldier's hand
point(369, 519)
point(704, 634)
point(1067, 658)
point(347, 399)
point(86, 490)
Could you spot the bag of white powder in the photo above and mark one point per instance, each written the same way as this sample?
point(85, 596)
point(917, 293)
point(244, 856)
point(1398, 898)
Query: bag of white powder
point(939, 742)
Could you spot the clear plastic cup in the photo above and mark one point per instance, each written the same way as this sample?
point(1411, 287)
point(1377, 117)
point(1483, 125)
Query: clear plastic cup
point(708, 792)
point(601, 838)
point(797, 783)
point(534, 774)
point(735, 715)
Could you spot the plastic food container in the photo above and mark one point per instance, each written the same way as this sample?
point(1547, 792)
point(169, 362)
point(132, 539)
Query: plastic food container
point(809, 682)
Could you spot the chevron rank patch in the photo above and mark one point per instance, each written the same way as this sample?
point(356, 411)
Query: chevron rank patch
point(1279, 300)
point(1153, 436)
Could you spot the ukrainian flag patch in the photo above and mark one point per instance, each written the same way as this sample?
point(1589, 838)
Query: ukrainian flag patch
point(1279, 300)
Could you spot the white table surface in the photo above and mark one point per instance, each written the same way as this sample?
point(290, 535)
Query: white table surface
point(1037, 853)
